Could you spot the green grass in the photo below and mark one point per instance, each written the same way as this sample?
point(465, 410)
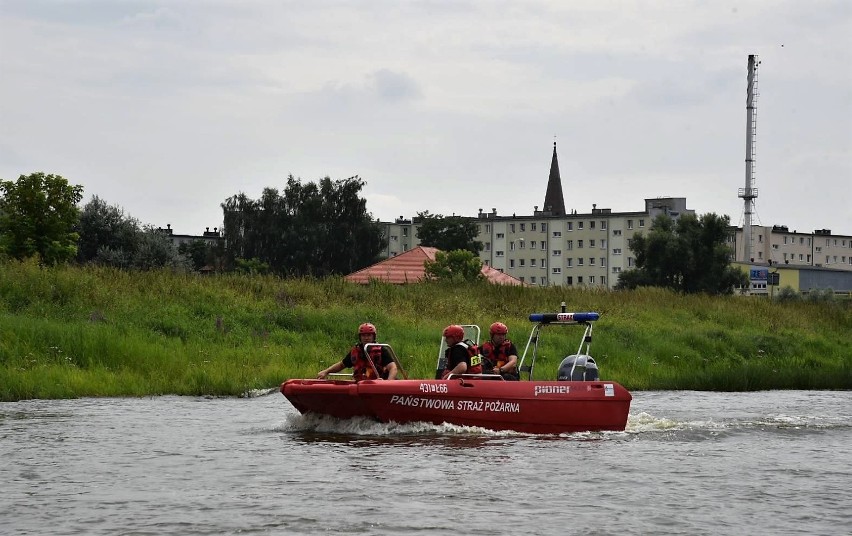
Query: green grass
point(90, 331)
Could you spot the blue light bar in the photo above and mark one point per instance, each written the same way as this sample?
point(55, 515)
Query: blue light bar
point(546, 318)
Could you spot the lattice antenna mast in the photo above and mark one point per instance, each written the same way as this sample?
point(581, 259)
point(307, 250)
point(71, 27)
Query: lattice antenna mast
point(749, 193)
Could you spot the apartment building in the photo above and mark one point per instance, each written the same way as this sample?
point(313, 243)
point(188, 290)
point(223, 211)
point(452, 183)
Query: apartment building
point(576, 249)
point(777, 245)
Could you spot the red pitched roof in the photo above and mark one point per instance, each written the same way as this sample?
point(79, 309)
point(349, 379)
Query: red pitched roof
point(408, 268)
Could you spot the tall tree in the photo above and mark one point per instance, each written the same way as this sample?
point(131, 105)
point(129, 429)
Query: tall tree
point(38, 215)
point(105, 226)
point(317, 229)
point(457, 265)
point(448, 233)
point(689, 255)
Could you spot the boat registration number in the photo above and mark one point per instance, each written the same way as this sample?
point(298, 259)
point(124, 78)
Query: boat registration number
point(433, 387)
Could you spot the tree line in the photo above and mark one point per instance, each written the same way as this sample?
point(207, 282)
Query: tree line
point(308, 229)
point(318, 229)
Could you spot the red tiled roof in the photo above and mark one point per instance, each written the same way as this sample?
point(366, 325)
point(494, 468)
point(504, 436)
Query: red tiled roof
point(408, 268)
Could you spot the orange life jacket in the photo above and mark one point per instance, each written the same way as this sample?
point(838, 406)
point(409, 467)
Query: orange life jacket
point(498, 356)
point(361, 367)
point(475, 366)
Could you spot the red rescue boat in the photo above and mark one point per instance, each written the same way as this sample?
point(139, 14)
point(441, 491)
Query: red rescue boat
point(576, 401)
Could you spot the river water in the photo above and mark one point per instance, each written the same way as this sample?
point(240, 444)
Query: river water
point(776, 462)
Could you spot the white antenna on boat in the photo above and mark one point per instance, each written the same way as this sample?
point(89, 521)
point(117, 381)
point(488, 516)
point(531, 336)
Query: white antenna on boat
point(749, 193)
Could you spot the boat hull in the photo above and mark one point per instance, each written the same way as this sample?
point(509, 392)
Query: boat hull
point(537, 407)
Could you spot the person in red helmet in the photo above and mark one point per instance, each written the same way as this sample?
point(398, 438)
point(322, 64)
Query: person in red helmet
point(365, 365)
point(461, 356)
point(499, 355)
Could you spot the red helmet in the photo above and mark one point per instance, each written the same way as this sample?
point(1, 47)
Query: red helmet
point(366, 328)
point(499, 328)
point(454, 331)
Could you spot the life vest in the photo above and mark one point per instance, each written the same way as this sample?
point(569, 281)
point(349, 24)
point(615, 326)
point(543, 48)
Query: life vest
point(361, 367)
point(475, 366)
point(498, 356)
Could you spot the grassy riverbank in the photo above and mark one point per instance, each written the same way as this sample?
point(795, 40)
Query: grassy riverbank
point(70, 331)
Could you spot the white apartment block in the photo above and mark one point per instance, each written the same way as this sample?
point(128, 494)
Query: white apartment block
point(577, 249)
point(777, 245)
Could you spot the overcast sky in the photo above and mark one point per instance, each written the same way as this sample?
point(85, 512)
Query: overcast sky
point(167, 108)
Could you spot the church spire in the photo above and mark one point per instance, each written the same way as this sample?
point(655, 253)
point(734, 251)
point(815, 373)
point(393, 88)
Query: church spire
point(554, 202)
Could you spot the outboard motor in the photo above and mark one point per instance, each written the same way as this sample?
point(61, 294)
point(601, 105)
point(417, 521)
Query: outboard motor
point(584, 367)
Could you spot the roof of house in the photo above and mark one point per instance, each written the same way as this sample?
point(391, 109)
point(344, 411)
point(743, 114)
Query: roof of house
point(408, 267)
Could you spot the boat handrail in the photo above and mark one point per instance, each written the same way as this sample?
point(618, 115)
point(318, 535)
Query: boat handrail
point(392, 354)
point(466, 376)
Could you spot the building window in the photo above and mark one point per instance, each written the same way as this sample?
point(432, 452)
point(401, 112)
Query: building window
point(775, 247)
point(523, 227)
point(557, 234)
point(616, 269)
point(405, 246)
point(579, 244)
point(641, 223)
point(630, 262)
point(569, 262)
point(544, 263)
point(591, 280)
point(603, 243)
point(544, 227)
point(532, 280)
point(523, 244)
point(616, 232)
point(580, 225)
point(603, 262)
point(532, 244)
point(579, 261)
point(512, 245)
point(543, 244)
point(532, 226)
point(603, 280)
point(500, 235)
point(532, 263)
point(591, 261)
point(522, 262)
point(579, 280)
point(569, 244)
point(393, 238)
point(499, 254)
point(511, 227)
point(569, 280)
point(629, 224)
point(488, 246)
point(616, 251)
point(570, 225)
point(511, 263)
point(603, 225)
point(591, 224)
point(557, 252)
point(404, 231)
point(556, 270)
point(592, 243)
